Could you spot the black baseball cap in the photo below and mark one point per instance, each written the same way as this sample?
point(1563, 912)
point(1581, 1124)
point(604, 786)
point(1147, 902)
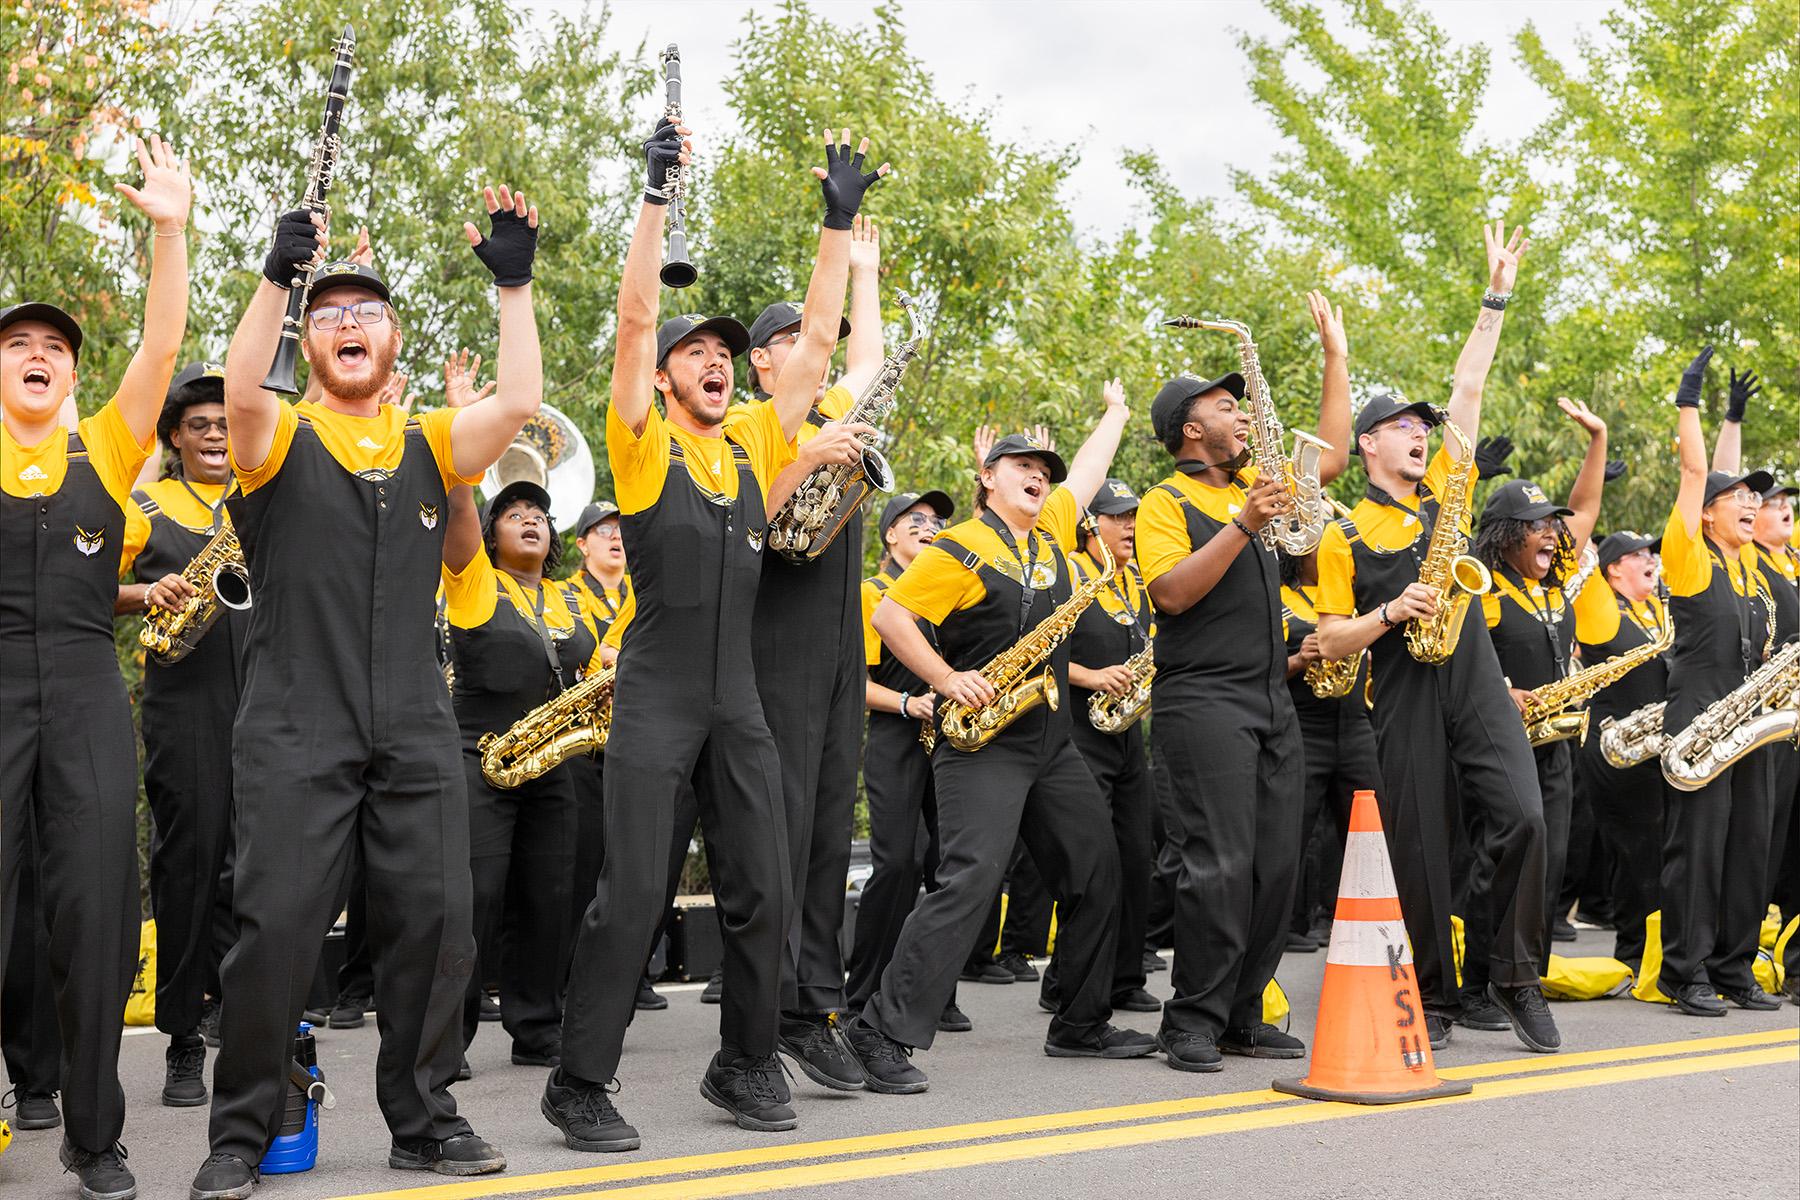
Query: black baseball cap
point(1718, 482)
point(593, 514)
point(1018, 443)
point(196, 383)
point(1171, 399)
point(940, 503)
point(1114, 497)
point(49, 314)
point(518, 489)
point(673, 330)
point(347, 274)
point(1521, 500)
point(1384, 406)
point(1615, 546)
point(1781, 489)
point(783, 314)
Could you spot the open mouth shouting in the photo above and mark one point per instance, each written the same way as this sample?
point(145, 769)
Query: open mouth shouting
point(352, 352)
point(713, 384)
point(36, 380)
point(212, 456)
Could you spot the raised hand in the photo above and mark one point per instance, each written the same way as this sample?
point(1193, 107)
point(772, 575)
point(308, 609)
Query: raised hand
point(394, 392)
point(364, 253)
point(508, 251)
point(842, 181)
point(1503, 255)
point(1737, 401)
point(1688, 394)
point(1042, 436)
point(1615, 469)
point(1491, 454)
point(168, 191)
point(1112, 393)
point(865, 245)
point(668, 146)
point(1329, 322)
point(983, 441)
point(299, 243)
point(460, 374)
point(1582, 415)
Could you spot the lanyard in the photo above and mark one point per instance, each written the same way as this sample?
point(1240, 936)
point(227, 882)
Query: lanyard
point(1028, 566)
point(217, 510)
point(543, 631)
point(1427, 520)
point(1740, 601)
point(1546, 616)
point(1651, 631)
point(599, 592)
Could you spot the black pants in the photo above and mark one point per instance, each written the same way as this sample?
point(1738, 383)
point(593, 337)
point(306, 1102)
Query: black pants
point(1714, 893)
point(1159, 921)
point(356, 978)
point(727, 753)
point(902, 840)
point(1340, 760)
point(1587, 867)
point(521, 859)
point(1556, 784)
point(1029, 786)
point(28, 1034)
point(1628, 816)
point(1236, 822)
point(589, 775)
point(300, 816)
point(1025, 928)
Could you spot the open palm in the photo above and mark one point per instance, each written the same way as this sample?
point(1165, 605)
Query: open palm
point(168, 189)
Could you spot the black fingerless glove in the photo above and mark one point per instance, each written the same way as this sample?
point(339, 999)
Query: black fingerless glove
point(1738, 399)
point(509, 248)
point(844, 185)
point(1491, 454)
point(295, 243)
point(1688, 394)
point(662, 150)
point(1615, 467)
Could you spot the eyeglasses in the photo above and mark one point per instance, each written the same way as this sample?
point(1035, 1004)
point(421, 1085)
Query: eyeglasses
point(792, 335)
point(199, 425)
point(1743, 498)
point(525, 516)
point(919, 520)
point(1541, 525)
point(1408, 425)
point(365, 312)
point(604, 529)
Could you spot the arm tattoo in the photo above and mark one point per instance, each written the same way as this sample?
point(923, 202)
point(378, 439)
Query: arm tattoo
point(1488, 320)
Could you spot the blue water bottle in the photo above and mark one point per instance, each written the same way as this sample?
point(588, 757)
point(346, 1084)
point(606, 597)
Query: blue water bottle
point(296, 1147)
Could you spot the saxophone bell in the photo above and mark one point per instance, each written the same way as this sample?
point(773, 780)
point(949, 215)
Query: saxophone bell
point(231, 584)
point(877, 470)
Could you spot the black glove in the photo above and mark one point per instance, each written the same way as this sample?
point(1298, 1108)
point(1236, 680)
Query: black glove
point(1688, 394)
point(662, 150)
point(508, 248)
point(1615, 467)
point(844, 185)
point(295, 244)
point(1491, 454)
point(1742, 388)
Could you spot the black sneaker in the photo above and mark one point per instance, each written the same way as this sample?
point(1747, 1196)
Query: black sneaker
point(1108, 1041)
point(1020, 966)
point(954, 1020)
point(1153, 962)
point(986, 972)
point(1046, 1003)
point(103, 1173)
point(648, 998)
point(186, 1059)
point(886, 1064)
point(1300, 943)
point(548, 1056)
point(1792, 990)
point(814, 1045)
point(1752, 997)
point(1321, 931)
point(223, 1177)
point(351, 1011)
point(33, 1110)
point(490, 1007)
point(752, 1090)
point(714, 991)
point(1531, 1019)
point(1189, 1051)
point(1561, 930)
point(1261, 1041)
point(1136, 1000)
point(585, 1114)
point(209, 1022)
point(316, 1017)
point(1437, 1029)
point(1479, 1012)
point(1695, 999)
point(463, 1154)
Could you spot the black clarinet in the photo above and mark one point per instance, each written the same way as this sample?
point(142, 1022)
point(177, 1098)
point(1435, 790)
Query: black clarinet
point(677, 271)
point(318, 182)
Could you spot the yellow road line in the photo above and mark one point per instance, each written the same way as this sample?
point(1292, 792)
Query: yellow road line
point(990, 1153)
point(1013, 1126)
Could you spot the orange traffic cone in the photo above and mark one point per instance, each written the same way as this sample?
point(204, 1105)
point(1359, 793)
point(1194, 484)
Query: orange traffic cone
point(1369, 1045)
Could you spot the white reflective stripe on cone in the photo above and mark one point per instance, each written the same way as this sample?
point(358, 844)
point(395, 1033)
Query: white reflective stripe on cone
point(1368, 944)
point(1366, 874)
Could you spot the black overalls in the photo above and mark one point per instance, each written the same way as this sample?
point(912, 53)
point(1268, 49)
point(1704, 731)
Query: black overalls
point(1532, 640)
point(1228, 732)
point(903, 825)
point(1628, 804)
point(1446, 732)
point(807, 642)
point(187, 713)
point(589, 771)
point(29, 1041)
point(1783, 878)
point(1340, 760)
point(521, 840)
point(1028, 782)
point(68, 766)
point(685, 707)
point(345, 743)
point(1715, 840)
point(1120, 766)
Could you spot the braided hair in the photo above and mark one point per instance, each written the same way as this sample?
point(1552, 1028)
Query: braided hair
point(1500, 536)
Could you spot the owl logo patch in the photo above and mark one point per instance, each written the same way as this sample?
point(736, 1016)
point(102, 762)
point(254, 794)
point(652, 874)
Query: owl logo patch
point(428, 515)
point(88, 543)
point(755, 538)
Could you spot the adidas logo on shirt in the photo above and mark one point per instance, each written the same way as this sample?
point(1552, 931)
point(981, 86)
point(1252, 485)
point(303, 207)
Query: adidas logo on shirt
point(367, 444)
point(33, 473)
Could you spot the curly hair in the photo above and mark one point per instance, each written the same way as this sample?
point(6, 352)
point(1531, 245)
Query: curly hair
point(1174, 437)
point(553, 556)
point(1289, 566)
point(203, 391)
point(1502, 535)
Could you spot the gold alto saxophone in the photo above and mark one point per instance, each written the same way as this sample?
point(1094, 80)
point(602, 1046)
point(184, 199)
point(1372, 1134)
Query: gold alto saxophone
point(1298, 530)
point(220, 581)
point(577, 720)
point(1332, 678)
point(1635, 737)
point(823, 504)
point(1020, 674)
point(1758, 712)
point(1108, 713)
point(1455, 576)
point(1552, 717)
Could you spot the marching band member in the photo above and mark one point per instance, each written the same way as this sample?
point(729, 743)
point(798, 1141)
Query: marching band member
point(1780, 564)
point(692, 490)
point(68, 764)
point(1447, 730)
point(985, 584)
point(1224, 717)
point(342, 515)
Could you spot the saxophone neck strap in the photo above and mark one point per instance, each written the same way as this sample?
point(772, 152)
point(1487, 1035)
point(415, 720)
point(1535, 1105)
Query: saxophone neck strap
point(1027, 562)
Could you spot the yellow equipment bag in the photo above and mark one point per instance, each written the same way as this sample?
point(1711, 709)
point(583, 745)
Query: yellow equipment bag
point(1652, 966)
point(1275, 1004)
point(1457, 945)
point(5, 1136)
point(140, 1002)
point(1593, 978)
point(1771, 929)
point(1770, 967)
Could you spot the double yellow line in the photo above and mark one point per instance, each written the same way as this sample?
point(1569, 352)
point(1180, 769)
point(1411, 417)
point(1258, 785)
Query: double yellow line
point(985, 1143)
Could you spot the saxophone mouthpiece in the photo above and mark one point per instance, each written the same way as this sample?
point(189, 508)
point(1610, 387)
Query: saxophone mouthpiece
point(1183, 322)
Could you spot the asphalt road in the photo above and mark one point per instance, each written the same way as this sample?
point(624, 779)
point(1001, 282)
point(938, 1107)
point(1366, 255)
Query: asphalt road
point(1643, 1101)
